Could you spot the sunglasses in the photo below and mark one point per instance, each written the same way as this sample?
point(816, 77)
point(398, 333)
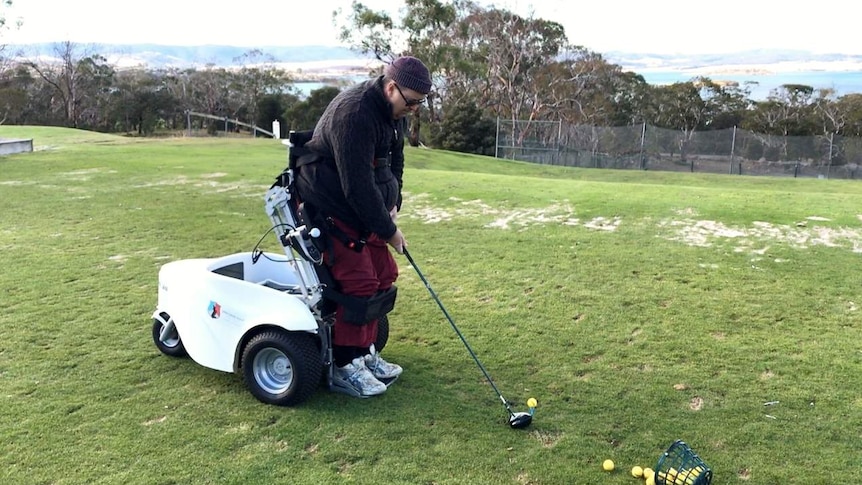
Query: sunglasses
point(409, 102)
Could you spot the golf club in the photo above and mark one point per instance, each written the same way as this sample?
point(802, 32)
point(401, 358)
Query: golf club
point(516, 420)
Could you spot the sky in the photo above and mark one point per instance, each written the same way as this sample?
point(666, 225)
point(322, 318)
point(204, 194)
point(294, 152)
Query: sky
point(665, 27)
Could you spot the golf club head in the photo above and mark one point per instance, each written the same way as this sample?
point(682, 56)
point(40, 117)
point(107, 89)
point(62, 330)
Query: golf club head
point(520, 420)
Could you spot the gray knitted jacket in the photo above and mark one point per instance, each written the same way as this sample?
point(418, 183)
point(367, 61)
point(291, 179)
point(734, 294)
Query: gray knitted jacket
point(358, 176)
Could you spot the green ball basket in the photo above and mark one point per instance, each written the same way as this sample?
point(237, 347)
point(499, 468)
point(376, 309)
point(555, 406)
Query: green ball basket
point(679, 465)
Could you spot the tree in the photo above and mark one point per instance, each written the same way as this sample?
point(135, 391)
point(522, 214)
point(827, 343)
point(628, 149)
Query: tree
point(465, 130)
point(4, 20)
point(679, 106)
point(851, 105)
point(830, 115)
point(424, 22)
point(794, 110)
point(210, 90)
point(255, 79)
point(583, 88)
point(368, 31)
point(517, 49)
point(141, 102)
point(77, 79)
point(15, 95)
point(272, 107)
point(373, 32)
point(9, 98)
point(727, 103)
point(304, 114)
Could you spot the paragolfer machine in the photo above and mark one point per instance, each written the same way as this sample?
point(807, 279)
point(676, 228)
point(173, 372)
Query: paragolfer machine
point(269, 316)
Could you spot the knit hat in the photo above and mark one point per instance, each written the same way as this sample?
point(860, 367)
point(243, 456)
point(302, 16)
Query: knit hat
point(409, 72)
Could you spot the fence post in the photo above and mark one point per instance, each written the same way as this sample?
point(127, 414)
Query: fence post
point(497, 140)
point(559, 160)
point(189, 121)
point(643, 138)
point(732, 149)
point(829, 160)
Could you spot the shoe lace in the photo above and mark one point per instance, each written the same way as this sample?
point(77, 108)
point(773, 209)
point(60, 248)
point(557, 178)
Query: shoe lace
point(374, 362)
point(356, 375)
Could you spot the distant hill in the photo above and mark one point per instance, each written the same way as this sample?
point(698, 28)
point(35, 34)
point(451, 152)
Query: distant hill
point(757, 57)
point(343, 59)
point(157, 56)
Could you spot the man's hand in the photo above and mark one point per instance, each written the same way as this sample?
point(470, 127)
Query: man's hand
point(393, 214)
point(397, 241)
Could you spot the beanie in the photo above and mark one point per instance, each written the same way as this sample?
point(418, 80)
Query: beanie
point(409, 72)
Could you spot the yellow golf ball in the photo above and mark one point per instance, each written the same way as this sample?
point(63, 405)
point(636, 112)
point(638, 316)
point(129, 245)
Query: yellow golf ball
point(608, 465)
point(637, 471)
point(531, 403)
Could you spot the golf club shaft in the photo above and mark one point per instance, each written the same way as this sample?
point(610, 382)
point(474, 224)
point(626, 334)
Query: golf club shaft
point(455, 327)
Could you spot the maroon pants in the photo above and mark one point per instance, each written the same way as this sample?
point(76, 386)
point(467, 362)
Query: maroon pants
point(363, 274)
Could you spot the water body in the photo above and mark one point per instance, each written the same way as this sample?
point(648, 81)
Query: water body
point(304, 88)
point(843, 82)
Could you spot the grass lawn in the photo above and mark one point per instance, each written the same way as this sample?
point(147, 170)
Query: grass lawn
point(637, 307)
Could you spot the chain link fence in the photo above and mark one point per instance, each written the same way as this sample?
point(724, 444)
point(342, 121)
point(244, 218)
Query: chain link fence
point(645, 147)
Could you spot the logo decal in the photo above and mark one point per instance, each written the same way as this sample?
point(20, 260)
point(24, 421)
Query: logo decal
point(214, 310)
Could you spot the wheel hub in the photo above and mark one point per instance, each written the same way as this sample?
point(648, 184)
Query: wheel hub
point(273, 371)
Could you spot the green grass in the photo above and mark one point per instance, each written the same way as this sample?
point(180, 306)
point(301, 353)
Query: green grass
point(637, 307)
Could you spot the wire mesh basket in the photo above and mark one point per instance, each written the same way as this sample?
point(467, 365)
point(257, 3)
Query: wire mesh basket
point(679, 465)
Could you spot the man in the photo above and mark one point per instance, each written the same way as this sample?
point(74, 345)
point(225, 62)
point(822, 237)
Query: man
point(355, 186)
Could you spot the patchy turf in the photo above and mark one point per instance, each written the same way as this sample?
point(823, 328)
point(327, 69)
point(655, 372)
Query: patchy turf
point(637, 307)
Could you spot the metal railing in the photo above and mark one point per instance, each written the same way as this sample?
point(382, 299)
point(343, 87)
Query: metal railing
point(226, 123)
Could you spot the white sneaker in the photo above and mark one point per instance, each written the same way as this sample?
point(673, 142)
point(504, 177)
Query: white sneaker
point(356, 375)
point(379, 367)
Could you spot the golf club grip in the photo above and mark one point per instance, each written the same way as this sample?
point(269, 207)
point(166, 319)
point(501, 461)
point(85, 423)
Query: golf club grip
point(455, 327)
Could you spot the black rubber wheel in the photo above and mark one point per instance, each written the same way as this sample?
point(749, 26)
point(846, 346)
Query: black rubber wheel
point(282, 368)
point(172, 345)
point(382, 333)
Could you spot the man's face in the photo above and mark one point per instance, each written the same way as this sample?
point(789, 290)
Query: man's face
point(404, 100)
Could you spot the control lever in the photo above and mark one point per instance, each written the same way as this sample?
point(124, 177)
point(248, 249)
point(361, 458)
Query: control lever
point(300, 240)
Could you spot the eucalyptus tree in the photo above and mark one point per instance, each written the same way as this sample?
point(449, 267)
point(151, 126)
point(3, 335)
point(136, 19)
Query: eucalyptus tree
point(141, 102)
point(273, 107)
point(256, 77)
point(4, 58)
point(303, 115)
point(851, 142)
point(79, 79)
point(588, 93)
point(830, 117)
point(679, 106)
point(12, 96)
point(729, 104)
point(427, 24)
point(851, 105)
point(374, 32)
point(518, 51)
point(461, 59)
point(418, 31)
point(796, 109)
point(584, 88)
point(786, 112)
point(178, 84)
point(18, 97)
point(367, 31)
point(209, 90)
